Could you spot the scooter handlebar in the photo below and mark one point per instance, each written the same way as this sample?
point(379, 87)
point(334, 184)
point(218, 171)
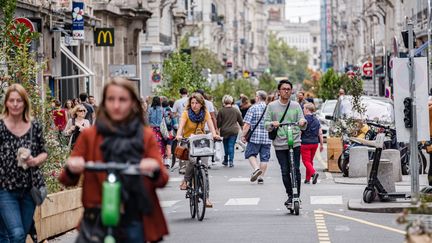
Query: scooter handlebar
point(289, 124)
point(122, 168)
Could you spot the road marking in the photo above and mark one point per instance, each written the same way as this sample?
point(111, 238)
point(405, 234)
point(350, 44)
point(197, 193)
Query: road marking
point(362, 221)
point(323, 236)
point(329, 175)
point(167, 204)
point(176, 179)
point(242, 201)
point(239, 179)
point(326, 200)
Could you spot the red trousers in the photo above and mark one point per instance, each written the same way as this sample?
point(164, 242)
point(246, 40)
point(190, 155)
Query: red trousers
point(307, 153)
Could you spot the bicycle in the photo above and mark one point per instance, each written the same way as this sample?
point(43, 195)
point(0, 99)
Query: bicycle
point(110, 212)
point(198, 188)
point(295, 205)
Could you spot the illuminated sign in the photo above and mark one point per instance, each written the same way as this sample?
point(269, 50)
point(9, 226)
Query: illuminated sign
point(104, 36)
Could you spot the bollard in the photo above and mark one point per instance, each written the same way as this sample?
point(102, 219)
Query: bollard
point(394, 156)
point(358, 160)
point(385, 174)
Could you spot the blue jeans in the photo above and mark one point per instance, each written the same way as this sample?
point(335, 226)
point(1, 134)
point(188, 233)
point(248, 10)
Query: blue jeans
point(284, 159)
point(16, 215)
point(134, 231)
point(229, 143)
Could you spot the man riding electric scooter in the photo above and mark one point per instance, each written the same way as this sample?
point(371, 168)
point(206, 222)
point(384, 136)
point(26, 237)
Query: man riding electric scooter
point(280, 111)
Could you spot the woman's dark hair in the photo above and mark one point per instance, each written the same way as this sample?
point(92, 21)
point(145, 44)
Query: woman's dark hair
point(137, 109)
point(165, 103)
point(156, 101)
point(171, 103)
point(284, 81)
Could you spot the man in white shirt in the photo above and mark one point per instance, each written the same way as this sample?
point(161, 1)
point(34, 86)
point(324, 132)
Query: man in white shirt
point(180, 104)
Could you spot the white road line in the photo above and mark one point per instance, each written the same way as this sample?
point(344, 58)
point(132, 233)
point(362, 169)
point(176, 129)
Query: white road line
point(175, 178)
point(242, 201)
point(167, 204)
point(239, 179)
point(326, 200)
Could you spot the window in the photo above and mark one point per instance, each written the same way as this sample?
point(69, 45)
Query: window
point(315, 62)
point(314, 50)
point(314, 39)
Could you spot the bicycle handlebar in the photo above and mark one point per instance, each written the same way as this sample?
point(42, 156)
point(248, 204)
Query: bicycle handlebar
point(122, 168)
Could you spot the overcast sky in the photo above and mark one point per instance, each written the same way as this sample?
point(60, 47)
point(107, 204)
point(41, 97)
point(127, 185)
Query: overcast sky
point(306, 9)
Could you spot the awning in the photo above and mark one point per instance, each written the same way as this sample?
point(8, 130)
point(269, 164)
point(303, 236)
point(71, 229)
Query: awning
point(75, 60)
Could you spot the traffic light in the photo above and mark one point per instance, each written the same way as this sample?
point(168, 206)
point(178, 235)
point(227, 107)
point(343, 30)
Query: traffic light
point(408, 112)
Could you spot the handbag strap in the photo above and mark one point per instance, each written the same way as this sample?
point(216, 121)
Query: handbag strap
point(259, 120)
point(286, 109)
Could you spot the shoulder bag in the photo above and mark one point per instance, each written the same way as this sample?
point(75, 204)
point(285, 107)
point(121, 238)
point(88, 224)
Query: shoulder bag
point(250, 132)
point(273, 134)
point(182, 151)
point(37, 193)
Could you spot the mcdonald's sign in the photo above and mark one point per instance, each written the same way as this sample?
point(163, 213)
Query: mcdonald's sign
point(104, 36)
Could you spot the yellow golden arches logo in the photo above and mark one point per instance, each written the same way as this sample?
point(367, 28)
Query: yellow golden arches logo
point(104, 37)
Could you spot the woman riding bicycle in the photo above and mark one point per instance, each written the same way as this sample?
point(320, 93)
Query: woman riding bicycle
point(120, 135)
point(192, 121)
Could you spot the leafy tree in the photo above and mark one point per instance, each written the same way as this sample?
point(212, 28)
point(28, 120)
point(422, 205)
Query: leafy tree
point(287, 61)
point(329, 85)
point(311, 85)
point(233, 87)
point(267, 83)
point(204, 58)
point(178, 72)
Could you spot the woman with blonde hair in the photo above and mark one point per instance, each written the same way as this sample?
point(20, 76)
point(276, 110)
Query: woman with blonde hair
point(120, 134)
point(76, 124)
point(23, 136)
point(193, 121)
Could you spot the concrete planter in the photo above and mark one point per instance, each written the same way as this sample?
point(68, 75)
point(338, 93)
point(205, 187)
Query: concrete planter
point(59, 213)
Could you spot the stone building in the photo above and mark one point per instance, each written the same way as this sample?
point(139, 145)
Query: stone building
point(363, 29)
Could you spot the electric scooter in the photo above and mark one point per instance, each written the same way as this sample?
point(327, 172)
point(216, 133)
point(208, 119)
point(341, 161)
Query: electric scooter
point(295, 205)
point(111, 193)
point(374, 187)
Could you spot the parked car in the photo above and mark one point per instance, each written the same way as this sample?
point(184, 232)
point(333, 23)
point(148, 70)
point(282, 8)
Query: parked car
point(327, 109)
point(376, 109)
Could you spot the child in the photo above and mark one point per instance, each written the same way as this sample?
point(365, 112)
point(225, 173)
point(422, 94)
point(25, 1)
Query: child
point(309, 142)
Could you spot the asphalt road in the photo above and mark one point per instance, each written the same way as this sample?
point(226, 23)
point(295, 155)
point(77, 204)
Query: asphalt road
point(248, 212)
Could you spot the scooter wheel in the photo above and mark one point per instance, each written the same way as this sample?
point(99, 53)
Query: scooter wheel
point(369, 195)
point(345, 167)
point(296, 208)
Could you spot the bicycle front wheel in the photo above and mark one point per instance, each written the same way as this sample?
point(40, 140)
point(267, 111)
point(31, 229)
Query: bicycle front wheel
point(192, 196)
point(201, 193)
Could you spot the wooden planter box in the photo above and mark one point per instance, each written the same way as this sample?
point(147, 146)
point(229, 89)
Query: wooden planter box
point(419, 238)
point(334, 150)
point(59, 213)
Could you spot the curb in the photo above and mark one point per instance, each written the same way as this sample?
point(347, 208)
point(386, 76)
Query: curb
point(378, 207)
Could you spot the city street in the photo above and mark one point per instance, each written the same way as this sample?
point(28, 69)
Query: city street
point(248, 212)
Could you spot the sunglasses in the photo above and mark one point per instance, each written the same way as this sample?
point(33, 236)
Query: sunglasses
point(81, 111)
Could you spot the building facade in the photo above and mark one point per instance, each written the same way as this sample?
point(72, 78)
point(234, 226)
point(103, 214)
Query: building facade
point(371, 31)
point(115, 41)
point(304, 37)
point(234, 30)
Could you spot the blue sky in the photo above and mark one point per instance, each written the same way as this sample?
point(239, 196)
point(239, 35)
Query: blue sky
point(306, 9)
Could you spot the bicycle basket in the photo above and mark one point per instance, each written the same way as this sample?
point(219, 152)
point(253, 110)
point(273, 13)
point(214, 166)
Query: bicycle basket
point(201, 145)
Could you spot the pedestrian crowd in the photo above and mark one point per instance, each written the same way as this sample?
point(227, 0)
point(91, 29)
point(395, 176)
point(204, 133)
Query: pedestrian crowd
point(127, 128)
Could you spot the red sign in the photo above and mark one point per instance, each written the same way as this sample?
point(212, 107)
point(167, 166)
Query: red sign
point(28, 23)
point(351, 74)
point(367, 69)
